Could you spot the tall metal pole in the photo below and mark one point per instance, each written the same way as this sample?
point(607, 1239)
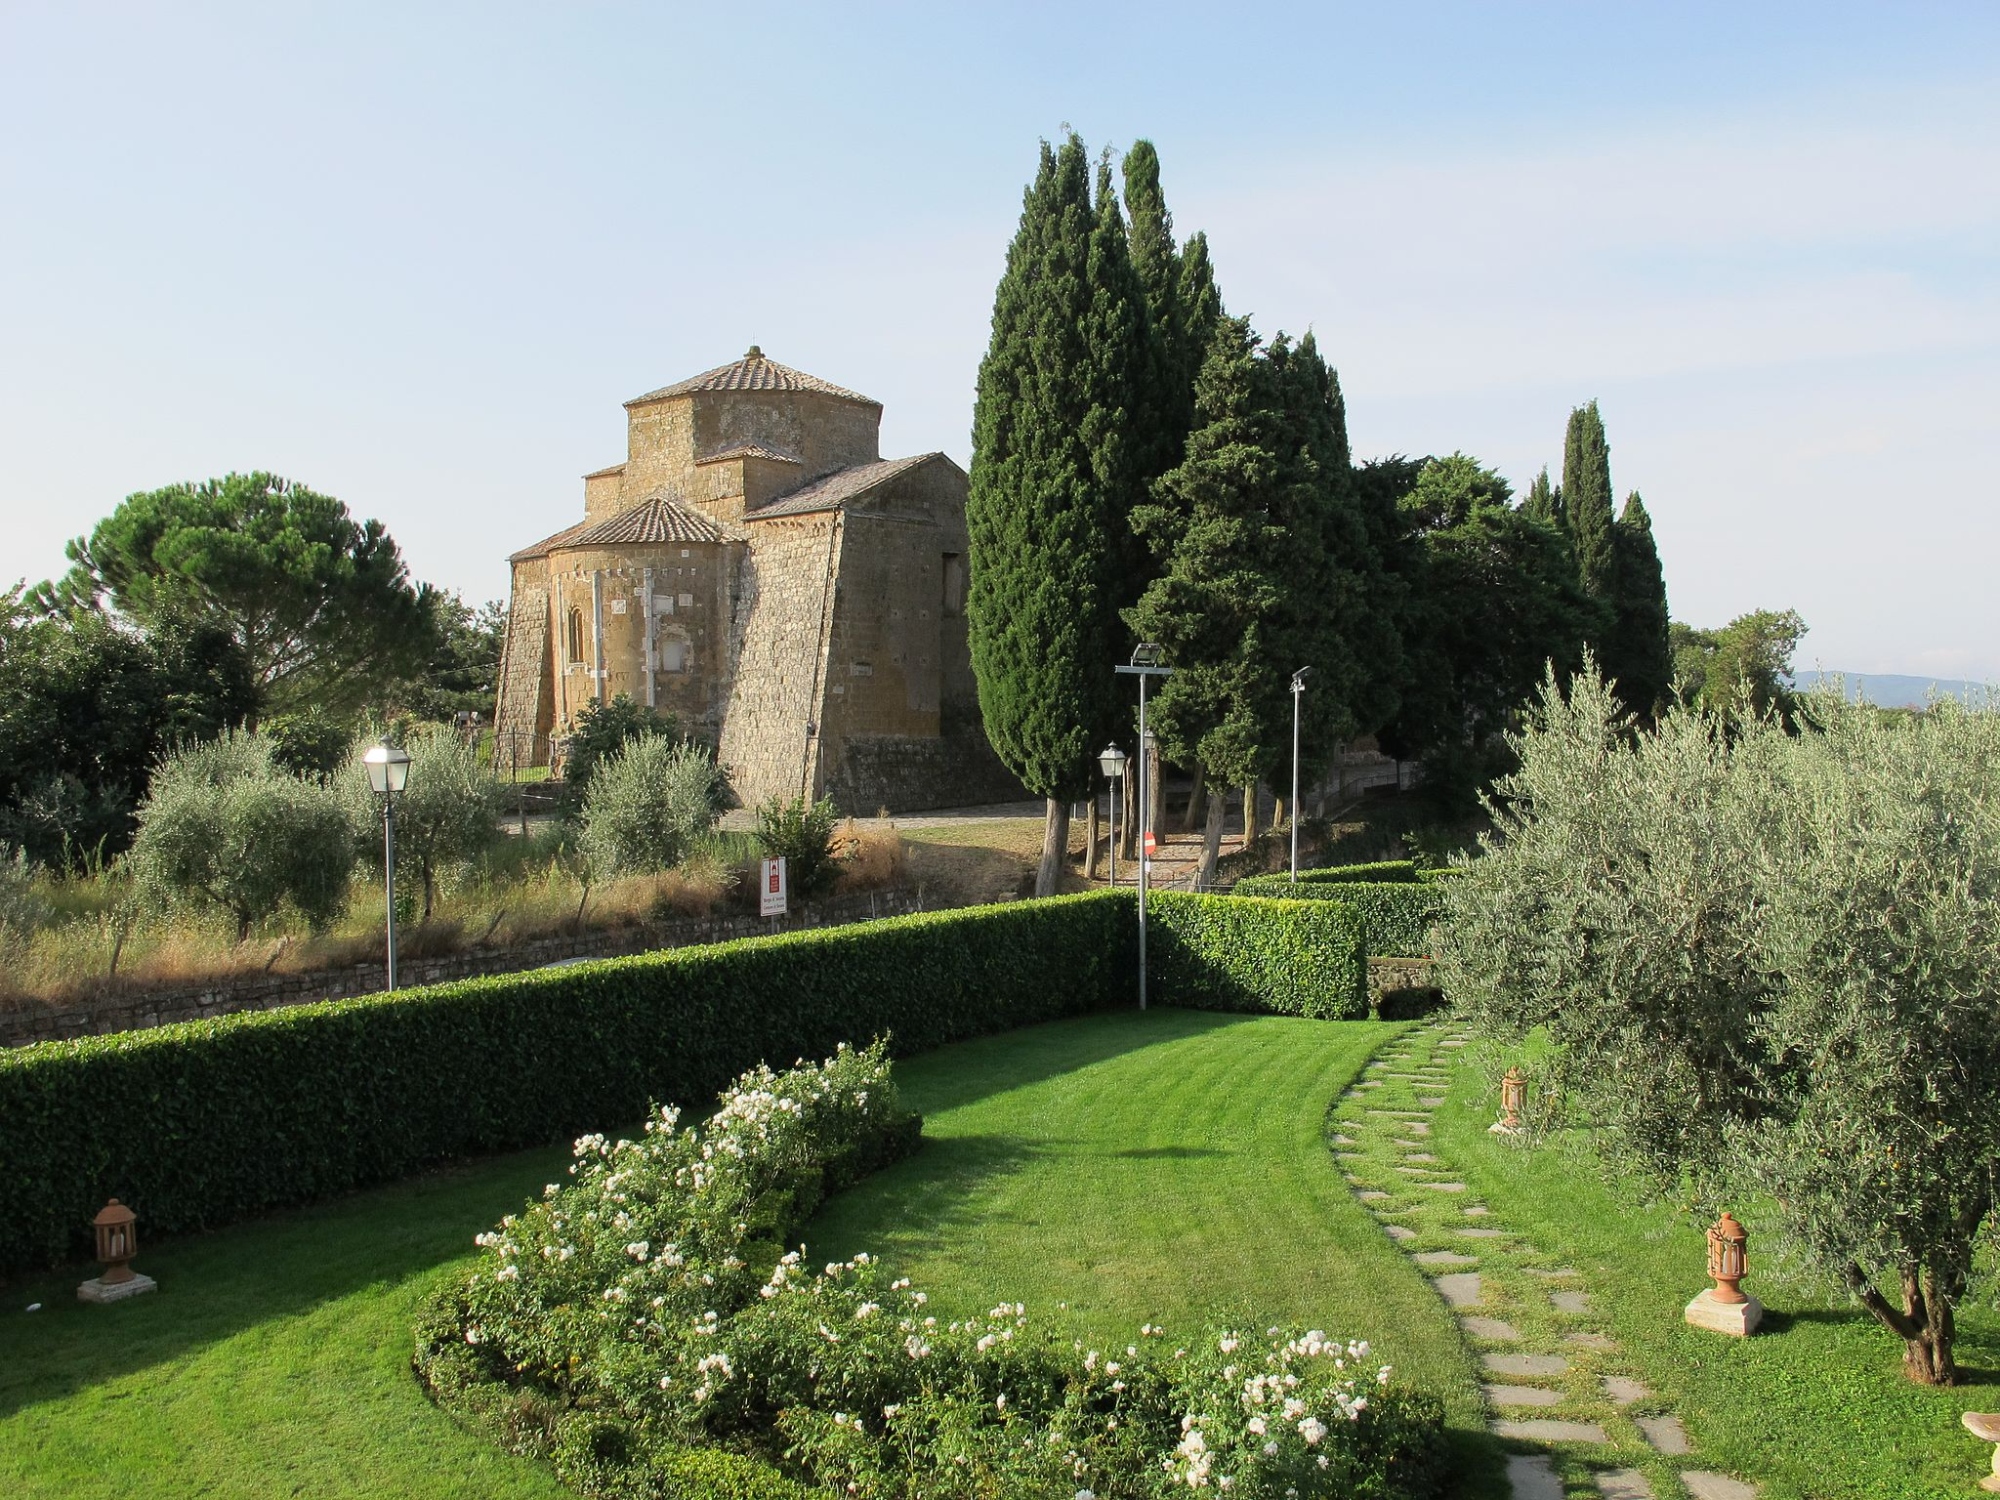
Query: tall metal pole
point(389, 873)
point(1145, 826)
point(1114, 829)
point(1294, 804)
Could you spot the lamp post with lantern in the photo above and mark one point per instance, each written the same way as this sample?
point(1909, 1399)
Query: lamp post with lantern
point(1145, 663)
point(1111, 760)
point(1298, 695)
point(388, 773)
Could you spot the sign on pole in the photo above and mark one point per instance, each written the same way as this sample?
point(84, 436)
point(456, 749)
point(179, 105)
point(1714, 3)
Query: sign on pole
point(771, 889)
point(1152, 844)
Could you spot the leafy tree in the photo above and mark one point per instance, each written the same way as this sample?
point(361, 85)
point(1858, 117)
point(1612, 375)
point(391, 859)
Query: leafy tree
point(462, 673)
point(649, 802)
point(86, 707)
point(801, 833)
point(311, 743)
point(1636, 650)
point(321, 604)
point(602, 730)
point(444, 816)
point(1053, 481)
point(1586, 498)
point(1745, 667)
point(1544, 502)
point(1766, 967)
point(223, 827)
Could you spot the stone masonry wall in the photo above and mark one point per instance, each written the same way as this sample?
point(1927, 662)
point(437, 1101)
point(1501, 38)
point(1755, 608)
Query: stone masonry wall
point(273, 991)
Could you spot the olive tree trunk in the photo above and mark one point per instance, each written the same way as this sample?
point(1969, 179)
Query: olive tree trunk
point(1250, 828)
point(1191, 814)
point(1211, 844)
point(1055, 848)
point(1090, 838)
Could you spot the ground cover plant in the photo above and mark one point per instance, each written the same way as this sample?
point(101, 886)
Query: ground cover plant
point(1808, 1405)
point(1765, 963)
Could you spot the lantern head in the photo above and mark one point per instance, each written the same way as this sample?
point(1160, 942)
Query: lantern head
point(1728, 1258)
point(117, 1241)
point(388, 769)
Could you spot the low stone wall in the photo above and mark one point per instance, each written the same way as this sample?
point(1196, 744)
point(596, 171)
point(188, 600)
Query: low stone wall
point(1386, 974)
point(270, 991)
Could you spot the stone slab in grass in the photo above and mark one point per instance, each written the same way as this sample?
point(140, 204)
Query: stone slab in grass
point(1445, 1258)
point(1476, 1210)
point(1481, 1234)
point(1461, 1289)
point(1624, 1484)
point(1560, 1273)
point(1522, 1395)
point(1547, 1430)
point(1666, 1435)
point(1433, 1103)
point(1542, 1365)
point(1597, 1341)
point(1497, 1329)
point(1373, 1195)
point(1703, 1484)
point(1623, 1390)
point(1399, 1232)
point(1575, 1303)
point(1531, 1477)
point(1444, 1187)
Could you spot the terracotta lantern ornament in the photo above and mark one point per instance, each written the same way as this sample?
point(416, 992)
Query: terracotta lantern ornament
point(1513, 1096)
point(1726, 1307)
point(116, 1227)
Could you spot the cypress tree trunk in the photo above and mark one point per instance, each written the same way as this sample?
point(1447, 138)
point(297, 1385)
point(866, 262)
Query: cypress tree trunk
point(1250, 825)
point(1211, 844)
point(1090, 839)
point(1128, 835)
point(1277, 812)
point(1191, 815)
point(1055, 848)
point(1153, 818)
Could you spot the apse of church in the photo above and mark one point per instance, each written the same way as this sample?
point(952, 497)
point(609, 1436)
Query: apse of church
point(756, 568)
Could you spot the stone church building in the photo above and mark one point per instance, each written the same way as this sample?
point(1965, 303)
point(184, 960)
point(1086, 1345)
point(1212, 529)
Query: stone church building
point(756, 568)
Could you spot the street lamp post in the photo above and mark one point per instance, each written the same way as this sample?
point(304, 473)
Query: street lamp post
point(1298, 692)
point(1145, 663)
point(1111, 760)
point(388, 773)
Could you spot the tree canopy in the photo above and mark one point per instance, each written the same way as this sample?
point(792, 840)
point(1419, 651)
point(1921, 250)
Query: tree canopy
point(321, 604)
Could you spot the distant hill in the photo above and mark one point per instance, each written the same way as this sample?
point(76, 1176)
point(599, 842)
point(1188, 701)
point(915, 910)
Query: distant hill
point(1890, 689)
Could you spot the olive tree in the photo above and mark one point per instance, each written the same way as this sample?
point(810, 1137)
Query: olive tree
point(648, 803)
point(1769, 965)
point(444, 816)
point(224, 827)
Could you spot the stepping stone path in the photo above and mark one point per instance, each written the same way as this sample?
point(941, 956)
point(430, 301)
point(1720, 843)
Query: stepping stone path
point(1563, 1399)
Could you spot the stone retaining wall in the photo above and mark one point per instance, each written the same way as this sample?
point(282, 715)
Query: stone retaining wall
point(270, 991)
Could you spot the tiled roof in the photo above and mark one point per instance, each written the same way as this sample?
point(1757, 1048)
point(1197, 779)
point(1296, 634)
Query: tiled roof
point(753, 372)
point(838, 489)
point(661, 518)
point(541, 548)
point(749, 450)
point(609, 469)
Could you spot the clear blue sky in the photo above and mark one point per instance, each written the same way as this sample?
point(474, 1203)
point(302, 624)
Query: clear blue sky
point(416, 256)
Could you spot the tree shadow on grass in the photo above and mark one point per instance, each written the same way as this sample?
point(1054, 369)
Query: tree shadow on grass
point(924, 1202)
point(217, 1284)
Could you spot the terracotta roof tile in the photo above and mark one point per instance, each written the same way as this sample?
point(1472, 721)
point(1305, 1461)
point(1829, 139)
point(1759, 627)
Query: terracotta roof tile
point(661, 518)
point(838, 489)
point(749, 450)
point(541, 548)
point(753, 372)
point(608, 469)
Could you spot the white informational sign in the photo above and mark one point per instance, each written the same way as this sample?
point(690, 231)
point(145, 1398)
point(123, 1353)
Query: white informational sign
point(771, 889)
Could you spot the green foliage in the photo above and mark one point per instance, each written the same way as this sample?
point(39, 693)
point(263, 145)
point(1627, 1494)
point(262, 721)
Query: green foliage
point(736, 1346)
point(1586, 493)
point(802, 834)
point(462, 672)
point(1743, 668)
point(1544, 501)
point(1766, 964)
point(222, 827)
point(86, 708)
point(310, 743)
point(1636, 650)
point(649, 804)
point(1055, 472)
point(1397, 915)
point(320, 604)
point(444, 816)
point(1287, 958)
point(601, 731)
point(1375, 870)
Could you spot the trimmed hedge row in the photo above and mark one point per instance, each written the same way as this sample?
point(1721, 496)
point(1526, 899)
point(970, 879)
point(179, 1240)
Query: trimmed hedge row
point(201, 1123)
point(1382, 869)
point(1294, 958)
point(1398, 916)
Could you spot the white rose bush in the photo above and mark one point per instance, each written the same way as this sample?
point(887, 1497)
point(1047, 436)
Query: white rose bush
point(645, 1326)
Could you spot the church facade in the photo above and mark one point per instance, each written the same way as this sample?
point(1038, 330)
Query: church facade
point(757, 569)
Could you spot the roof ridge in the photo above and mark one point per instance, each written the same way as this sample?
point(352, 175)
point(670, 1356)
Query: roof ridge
point(755, 371)
point(843, 486)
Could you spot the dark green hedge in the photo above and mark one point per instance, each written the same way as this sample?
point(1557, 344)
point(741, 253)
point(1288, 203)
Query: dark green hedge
point(206, 1122)
point(1380, 870)
point(1295, 958)
point(1398, 916)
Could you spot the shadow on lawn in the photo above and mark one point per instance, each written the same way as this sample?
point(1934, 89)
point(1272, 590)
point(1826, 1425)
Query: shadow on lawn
point(216, 1285)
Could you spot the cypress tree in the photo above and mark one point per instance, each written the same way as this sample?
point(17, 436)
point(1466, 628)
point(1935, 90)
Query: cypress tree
point(1637, 654)
point(1544, 501)
point(1200, 307)
point(1052, 484)
point(1156, 263)
point(1586, 494)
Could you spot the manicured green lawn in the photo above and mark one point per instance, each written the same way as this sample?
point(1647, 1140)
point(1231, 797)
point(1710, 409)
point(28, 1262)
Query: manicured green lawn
point(1813, 1405)
point(1170, 1168)
point(274, 1359)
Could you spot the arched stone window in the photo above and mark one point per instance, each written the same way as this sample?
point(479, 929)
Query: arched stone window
point(573, 634)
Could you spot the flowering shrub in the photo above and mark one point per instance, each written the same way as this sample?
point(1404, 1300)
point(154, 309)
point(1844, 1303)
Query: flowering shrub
point(644, 1327)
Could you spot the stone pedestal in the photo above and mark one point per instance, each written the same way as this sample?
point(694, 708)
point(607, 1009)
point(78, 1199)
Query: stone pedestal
point(95, 1290)
point(1734, 1318)
point(1985, 1425)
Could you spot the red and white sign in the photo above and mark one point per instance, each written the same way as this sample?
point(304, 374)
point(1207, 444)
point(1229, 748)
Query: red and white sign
point(771, 889)
point(1152, 844)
